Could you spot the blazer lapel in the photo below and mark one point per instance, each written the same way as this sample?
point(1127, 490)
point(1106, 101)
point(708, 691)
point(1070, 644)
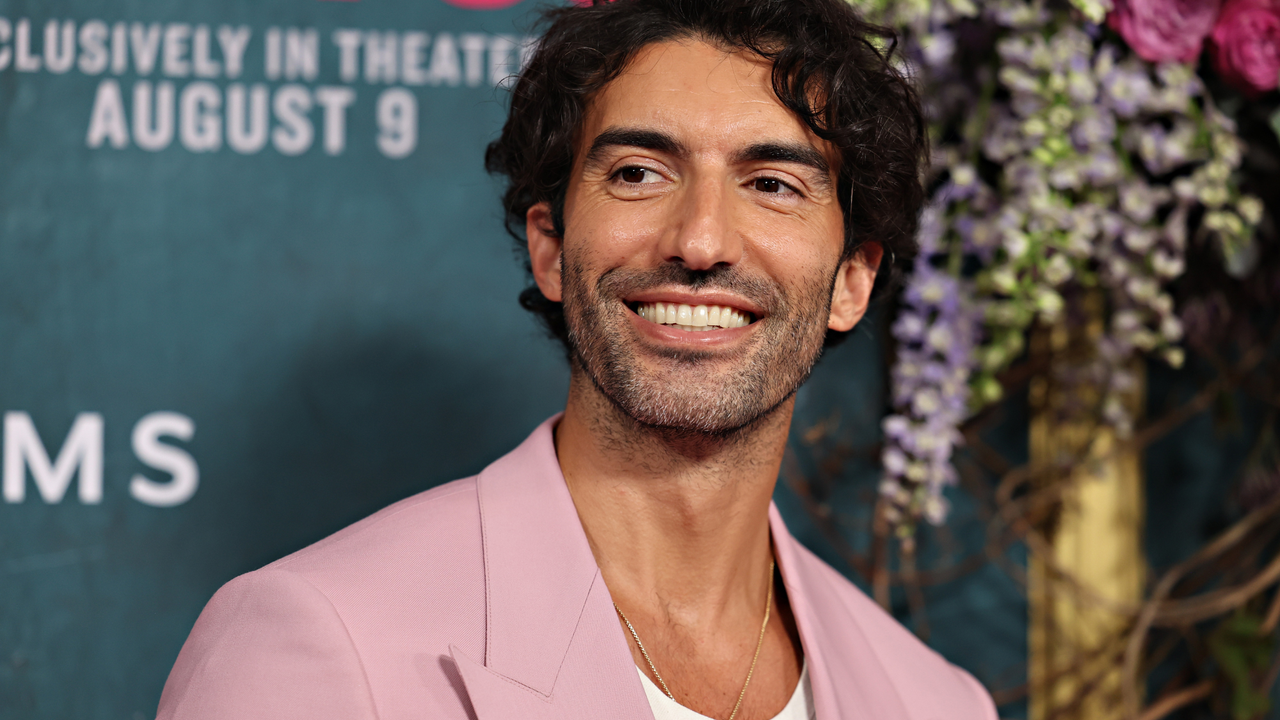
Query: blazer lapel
point(849, 683)
point(553, 645)
point(553, 648)
point(495, 696)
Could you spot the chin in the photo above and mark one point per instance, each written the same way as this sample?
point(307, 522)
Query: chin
point(659, 406)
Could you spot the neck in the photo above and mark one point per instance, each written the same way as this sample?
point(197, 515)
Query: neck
point(678, 522)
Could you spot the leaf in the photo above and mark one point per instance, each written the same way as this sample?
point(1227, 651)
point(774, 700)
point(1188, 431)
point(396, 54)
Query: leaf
point(1275, 122)
point(1095, 10)
point(1241, 652)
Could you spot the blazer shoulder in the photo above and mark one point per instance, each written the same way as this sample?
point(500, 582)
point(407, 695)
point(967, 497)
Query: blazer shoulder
point(357, 621)
point(441, 517)
point(269, 644)
point(927, 684)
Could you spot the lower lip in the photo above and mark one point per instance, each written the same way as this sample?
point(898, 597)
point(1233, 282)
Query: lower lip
point(670, 335)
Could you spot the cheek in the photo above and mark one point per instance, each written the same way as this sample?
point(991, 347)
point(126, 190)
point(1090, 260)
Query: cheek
point(606, 233)
point(801, 253)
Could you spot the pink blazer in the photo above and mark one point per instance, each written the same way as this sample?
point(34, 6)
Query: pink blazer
point(481, 599)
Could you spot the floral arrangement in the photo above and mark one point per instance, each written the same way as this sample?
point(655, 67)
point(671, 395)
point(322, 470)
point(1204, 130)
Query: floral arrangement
point(1077, 154)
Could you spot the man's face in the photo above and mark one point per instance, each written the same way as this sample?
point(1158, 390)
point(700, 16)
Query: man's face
point(702, 242)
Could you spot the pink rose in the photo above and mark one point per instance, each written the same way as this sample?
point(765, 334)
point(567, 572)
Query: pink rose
point(1246, 45)
point(1164, 30)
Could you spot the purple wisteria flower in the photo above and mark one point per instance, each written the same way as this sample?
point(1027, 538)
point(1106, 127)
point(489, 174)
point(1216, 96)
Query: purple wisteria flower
point(1094, 126)
point(1064, 166)
point(937, 330)
point(1126, 86)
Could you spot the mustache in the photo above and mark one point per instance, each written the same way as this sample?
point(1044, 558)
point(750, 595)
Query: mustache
point(621, 282)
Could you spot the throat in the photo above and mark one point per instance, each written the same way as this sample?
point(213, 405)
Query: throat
point(705, 668)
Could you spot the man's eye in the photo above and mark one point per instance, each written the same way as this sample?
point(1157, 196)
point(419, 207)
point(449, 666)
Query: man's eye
point(635, 175)
point(773, 186)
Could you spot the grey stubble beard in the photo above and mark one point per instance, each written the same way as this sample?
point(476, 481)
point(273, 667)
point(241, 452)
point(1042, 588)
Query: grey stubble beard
point(681, 408)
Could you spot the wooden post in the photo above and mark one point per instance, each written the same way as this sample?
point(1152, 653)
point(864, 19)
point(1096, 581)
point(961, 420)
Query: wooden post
point(1092, 563)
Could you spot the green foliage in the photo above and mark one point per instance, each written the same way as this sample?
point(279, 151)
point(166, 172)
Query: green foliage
point(1243, 653)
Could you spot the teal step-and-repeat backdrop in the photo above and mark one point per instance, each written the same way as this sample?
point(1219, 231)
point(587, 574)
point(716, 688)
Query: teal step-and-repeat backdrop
point(253, 287)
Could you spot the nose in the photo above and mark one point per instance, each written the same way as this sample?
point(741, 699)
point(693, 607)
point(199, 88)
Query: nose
point(703, 234)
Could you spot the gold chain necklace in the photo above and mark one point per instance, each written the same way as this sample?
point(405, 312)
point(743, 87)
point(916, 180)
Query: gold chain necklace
point(768, 605)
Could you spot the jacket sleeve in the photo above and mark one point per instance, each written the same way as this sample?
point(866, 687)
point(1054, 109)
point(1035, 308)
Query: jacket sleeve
point(984, 705)
point(268, 646)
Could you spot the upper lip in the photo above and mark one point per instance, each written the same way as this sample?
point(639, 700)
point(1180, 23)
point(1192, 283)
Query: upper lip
point(684, 297)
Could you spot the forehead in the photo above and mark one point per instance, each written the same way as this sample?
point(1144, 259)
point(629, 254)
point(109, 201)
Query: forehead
point(708, 97)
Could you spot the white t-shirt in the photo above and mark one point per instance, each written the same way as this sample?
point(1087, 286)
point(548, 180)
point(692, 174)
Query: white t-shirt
point(799, 707)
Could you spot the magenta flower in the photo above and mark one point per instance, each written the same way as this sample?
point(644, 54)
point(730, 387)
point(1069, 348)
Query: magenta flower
point(1246, 45)
point(1165, 30)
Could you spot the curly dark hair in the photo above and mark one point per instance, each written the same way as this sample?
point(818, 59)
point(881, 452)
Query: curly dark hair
point(830, 68)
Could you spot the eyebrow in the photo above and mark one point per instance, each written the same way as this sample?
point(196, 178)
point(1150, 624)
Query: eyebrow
point(634, 137)
point(776, 151)
point(798, 153)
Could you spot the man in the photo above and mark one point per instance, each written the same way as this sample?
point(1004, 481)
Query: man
point(707, 189)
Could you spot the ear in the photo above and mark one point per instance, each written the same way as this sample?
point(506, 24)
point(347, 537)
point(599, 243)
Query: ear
point(544, 250)
point(852, 291)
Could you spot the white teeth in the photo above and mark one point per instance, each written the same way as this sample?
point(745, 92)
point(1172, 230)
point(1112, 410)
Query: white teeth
point(693, 317)
point(699, 316)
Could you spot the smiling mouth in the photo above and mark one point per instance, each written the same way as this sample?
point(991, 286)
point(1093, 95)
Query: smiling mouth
point(693, 318)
